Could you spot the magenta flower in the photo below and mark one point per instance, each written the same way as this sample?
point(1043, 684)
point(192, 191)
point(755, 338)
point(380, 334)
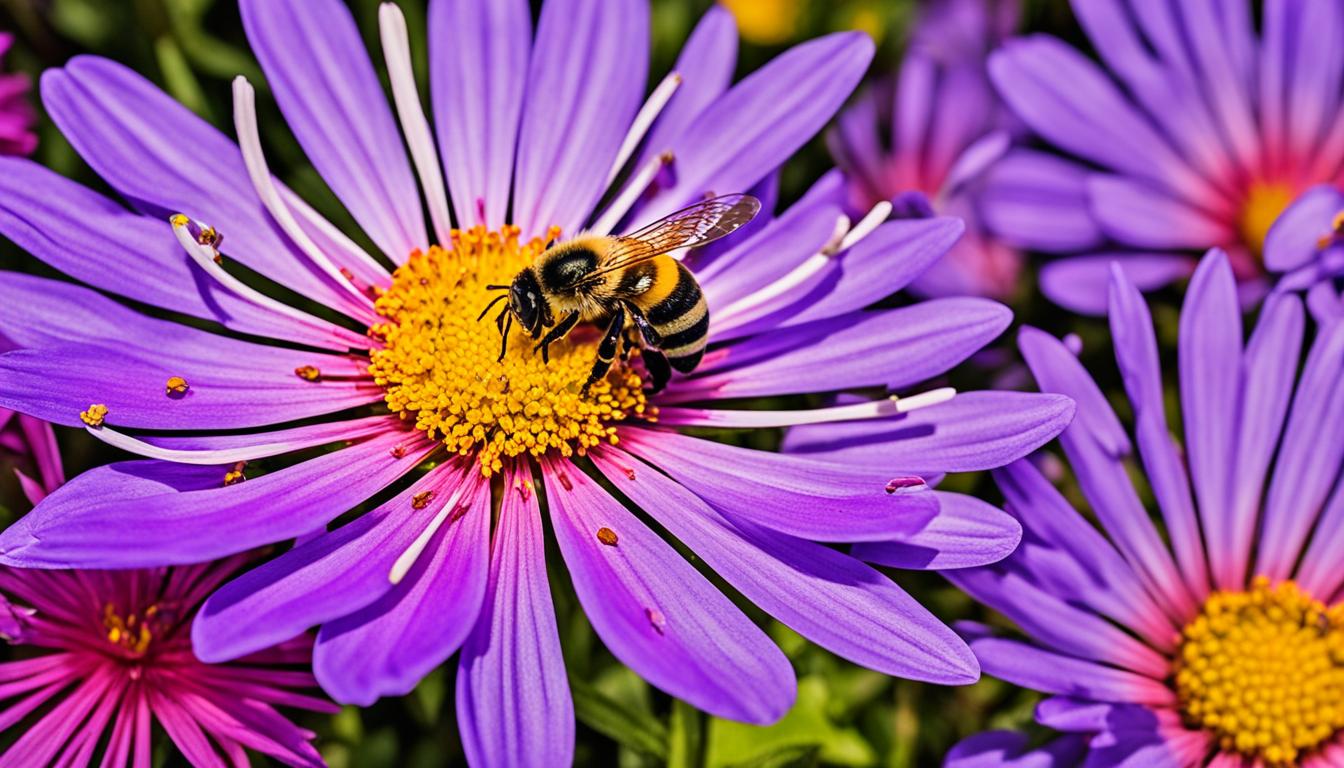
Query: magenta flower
point(532, 137)
point(17, 116)
point(112, 657)
point(31, 445)
point(923, 141)
point(1222, 642)
point(1200, 135)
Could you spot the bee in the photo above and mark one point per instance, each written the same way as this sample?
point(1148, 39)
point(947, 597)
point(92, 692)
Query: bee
point(625, 277)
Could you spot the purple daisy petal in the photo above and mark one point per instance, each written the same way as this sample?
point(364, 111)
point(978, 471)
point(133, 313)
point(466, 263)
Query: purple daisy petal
point(1144, 215)
point(970, 432)
point(1010, 749)
point(1210, 367)
point(826, 596)
point(478, 56)
point(181, 514)
point(895, 348)
point(513, 702)
point(1052, 621)
point(150, 149)
point(325, 84)
point(656, 613)
point(1309, 459)
point(795, 495)
point(1096, 445)
point(706, 65)
point(93, 239)
point(1269, 371)
point(561, 174)
point(330, 576)
point(1064, 675)
point(388, 646)
point(966, 533)
point(1081, 283)
point(759, 123)
point(1294, 239)
point(1136, 353)
point(1038, 201)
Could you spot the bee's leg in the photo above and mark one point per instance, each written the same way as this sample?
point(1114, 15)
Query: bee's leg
point(556, 333)
point(606, 351)
point(505, 322)
point(655, 362)
point(651, 336)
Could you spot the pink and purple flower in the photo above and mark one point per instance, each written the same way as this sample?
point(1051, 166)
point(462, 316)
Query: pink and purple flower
point(1198, 133)
point(17, 116)
point(538, 136)
point(1216, 638)
point(922, 141)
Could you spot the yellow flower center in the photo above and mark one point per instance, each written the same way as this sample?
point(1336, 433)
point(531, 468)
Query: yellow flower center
point(1264, 202)
point(440, 365)
point(132, 633)
point(1263, 671)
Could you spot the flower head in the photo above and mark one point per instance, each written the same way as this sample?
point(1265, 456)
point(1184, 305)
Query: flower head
point(1199, 133)
point(534, 131)
point(111, 656)
point(923, 141)
point(1225, 638)
point(17, 116)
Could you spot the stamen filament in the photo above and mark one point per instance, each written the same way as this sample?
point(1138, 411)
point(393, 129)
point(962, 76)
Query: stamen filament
point(397, 53)
point(635, 187)
point(874, 409)
point(643, 122)
point(870, 221)
point(406, 560)
point(741, 311)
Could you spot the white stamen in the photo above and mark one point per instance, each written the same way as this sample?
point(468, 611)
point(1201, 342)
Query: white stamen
point(733, 314)
point(635, 187)
point(873, 409)
point(335, 236)
point(203, 457)
point(406, 561)
point(205, 255)
point(249, 140)
point(397, 52)
point(871, 221)
point(643, 121)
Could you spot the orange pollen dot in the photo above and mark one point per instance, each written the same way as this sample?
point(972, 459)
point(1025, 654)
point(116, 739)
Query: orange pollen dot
point(1265, 200)
point(422, 499)
point(94, 415)
point(440, 367)
point(176, 385)
point(607, 536)
point(1263, 672)
point(308, 373)
point(235, 475)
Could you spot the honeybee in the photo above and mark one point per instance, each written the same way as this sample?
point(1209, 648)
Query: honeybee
point(592, 277)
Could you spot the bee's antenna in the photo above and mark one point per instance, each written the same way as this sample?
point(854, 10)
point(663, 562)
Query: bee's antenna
point(492, 303)
point(505, 322)
point(493, 287)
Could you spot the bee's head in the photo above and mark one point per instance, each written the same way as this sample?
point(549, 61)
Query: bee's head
point(526, 302)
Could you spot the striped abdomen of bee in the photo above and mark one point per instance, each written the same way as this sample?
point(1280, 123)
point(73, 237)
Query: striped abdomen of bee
point(672, 313)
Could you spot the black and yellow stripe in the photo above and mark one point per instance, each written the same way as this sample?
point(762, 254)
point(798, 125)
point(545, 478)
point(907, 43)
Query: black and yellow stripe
point(675, 309)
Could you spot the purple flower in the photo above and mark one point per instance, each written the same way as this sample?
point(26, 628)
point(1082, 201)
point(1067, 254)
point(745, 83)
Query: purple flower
point(31, 445)
point(1222, 641)
point(17, 117)
point(1200, 135)
point(924, 141)
point(531, 136)
point(111, 657)
point(1306, 243)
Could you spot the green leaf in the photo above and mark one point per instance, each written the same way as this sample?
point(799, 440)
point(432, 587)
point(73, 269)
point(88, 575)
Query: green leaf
point(429, 696)
point(178, 77)
point(629, 728)
point(687, 734)
point(804, 730)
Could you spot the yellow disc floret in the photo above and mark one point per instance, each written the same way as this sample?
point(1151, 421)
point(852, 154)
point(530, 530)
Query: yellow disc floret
point(440, 365)
point(1263, 671)
point(1265, 200)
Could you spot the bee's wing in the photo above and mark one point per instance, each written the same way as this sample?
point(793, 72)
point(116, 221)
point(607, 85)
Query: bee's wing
point(698, 224)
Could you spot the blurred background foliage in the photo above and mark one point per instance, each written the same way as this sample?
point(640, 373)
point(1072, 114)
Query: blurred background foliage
point(845, 715)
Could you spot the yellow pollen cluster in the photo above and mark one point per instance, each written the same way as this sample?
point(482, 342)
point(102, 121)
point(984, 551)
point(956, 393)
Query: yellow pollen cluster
point(1264, 202)
point(440, 367)
point(1263, 670)
point(132, 633)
